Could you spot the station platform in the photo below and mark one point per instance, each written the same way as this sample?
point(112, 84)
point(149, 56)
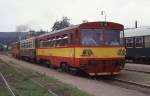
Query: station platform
point(138, 67)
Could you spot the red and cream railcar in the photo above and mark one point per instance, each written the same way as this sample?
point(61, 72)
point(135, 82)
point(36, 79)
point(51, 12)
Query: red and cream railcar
point(28, 49)
point(93, 47)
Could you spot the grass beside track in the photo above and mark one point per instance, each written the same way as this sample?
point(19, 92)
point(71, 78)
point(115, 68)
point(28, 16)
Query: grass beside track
point(20, 85)
point(21, 82)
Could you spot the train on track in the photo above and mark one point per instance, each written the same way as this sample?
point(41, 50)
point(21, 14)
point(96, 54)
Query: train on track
point(137, 43)
point(95, 48)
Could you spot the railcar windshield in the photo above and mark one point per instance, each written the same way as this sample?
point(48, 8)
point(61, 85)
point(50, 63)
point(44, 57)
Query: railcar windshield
point(97, 37)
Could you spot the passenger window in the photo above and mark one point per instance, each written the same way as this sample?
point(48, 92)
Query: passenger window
point(53, 42)
point(64, 40)
point(71, 39)
point(58, 41)
point(76, 37)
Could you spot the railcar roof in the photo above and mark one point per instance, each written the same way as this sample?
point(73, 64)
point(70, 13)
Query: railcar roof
point(67, 28)
point(31, 38)
point(133, 32)
point(76, 26)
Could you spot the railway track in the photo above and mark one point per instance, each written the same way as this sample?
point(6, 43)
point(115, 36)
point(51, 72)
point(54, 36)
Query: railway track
point(36, 82)
point(125, 84)
point(7, 85)
point(134, 70)
point(130, 82)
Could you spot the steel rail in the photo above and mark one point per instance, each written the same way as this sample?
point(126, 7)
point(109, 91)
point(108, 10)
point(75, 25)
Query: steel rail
point(131, 82)
point(50, 91)
point(134, 70)
point(6, 83)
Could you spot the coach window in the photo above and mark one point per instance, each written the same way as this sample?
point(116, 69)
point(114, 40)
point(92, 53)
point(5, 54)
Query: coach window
point(71, 39)
point(43, 43)
point(22, 45)
point(147, 41)
point(30, 45)
point(49, 42)
point(53, 42)
point(64, 40)
point(58, 41)
point(40, 44)
point(25, 44)
point(139, 42)
point(76, 37)
point(129, 42)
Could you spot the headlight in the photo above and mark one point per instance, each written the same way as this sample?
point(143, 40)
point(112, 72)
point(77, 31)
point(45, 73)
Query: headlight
point(121, 52)
point(87, 52)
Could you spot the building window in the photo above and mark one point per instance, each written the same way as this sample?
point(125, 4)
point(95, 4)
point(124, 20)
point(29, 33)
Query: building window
point(129, 42)
point(139, 42)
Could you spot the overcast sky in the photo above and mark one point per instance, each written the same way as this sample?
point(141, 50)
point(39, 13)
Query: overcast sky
point(41, 14)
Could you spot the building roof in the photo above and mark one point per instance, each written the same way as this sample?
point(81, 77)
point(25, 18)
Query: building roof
point(143, 31)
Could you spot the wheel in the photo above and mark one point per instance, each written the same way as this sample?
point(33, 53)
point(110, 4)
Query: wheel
point(48, 64)
point(64, 67)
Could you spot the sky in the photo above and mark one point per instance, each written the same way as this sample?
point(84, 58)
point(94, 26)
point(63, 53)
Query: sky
point(41, 14)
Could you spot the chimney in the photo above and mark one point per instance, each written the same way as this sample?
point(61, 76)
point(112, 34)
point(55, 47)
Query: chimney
point(136, 24)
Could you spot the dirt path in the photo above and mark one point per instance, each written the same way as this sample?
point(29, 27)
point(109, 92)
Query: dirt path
point(97, 88)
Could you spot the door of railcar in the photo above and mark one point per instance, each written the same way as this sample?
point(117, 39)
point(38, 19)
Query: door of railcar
point(73, 43)
point(72, 49)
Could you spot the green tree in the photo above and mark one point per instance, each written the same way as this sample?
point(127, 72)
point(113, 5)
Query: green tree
point(61, 24)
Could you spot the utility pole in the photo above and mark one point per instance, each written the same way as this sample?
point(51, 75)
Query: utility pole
point(136, 24)
point(103, 13)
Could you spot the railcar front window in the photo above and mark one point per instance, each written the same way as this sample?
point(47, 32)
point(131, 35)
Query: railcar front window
point(96, 37)
point(112, 37)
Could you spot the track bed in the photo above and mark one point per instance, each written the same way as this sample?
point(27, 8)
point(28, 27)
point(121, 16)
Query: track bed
point(96, 87)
